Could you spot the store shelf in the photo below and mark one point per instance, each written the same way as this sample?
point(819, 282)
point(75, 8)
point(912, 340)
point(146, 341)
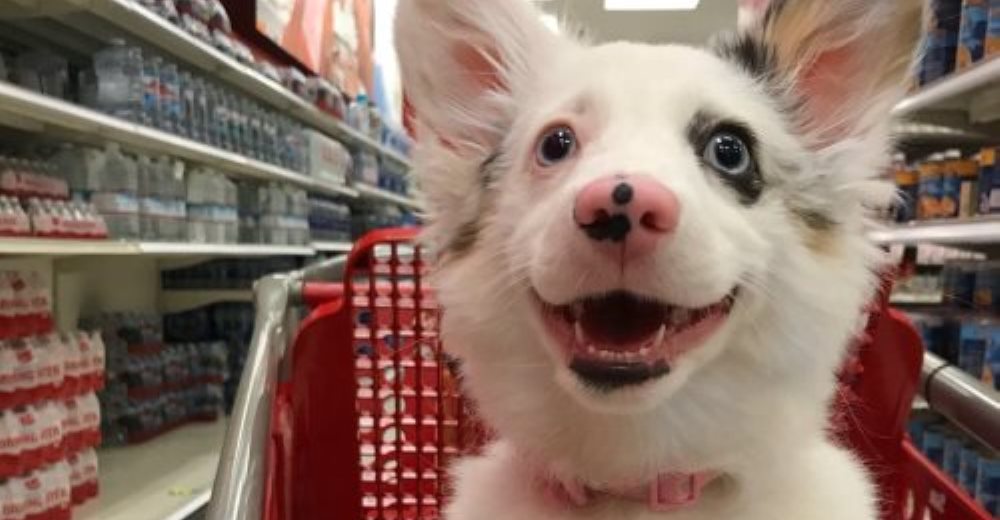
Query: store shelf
point(373, 193)
point(47, 247)
point(239, 250)
point(167, 478)
point(916, 299)
point(150, 28)
point(39, 246)
point(958, 232)
point(89, 125)
point(180, 300)
point(938, 135)
point(332, 247)
point(954, 92)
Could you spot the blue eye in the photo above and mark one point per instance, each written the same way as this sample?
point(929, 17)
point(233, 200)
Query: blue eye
point(556, 145)
point(728, 154)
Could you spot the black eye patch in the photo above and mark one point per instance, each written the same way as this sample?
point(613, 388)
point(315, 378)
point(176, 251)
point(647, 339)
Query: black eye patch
point(728, 149)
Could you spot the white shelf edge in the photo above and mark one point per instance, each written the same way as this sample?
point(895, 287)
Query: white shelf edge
point(149, 27)
point(332, 247)
point(74, 118)
point(958, 232)
point(55, 247)
point(371, 192)
point(189, 249)
point(950, 87)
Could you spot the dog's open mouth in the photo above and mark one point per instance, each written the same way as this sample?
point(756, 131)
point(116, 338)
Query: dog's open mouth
point(621, 339)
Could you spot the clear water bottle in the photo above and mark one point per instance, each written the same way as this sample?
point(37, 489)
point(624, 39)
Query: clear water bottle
point(187, 104)
point(117, 75)
point(359, 114)
point(171, 106)
point(151, 91)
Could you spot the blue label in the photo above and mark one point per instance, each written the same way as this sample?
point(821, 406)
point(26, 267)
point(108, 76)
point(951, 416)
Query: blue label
point(969, 469)
point(988, 484)
point(993, 27)
point(973, 35)
point(991, 363)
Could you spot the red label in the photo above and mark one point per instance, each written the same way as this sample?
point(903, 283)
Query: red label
point(25, 356)
point(27, 419)
point(32, 483)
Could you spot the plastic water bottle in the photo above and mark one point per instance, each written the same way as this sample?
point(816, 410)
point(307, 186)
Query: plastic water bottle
point(151, 91)
point(117, 70)
point(171, 108)
point(359, 114)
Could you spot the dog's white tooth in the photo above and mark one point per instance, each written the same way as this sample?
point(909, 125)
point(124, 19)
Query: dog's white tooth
point(660, 334)
point(604, 354)
point(578, 328)
point(644, 351)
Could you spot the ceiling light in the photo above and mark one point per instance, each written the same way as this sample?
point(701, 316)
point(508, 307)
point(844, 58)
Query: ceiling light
point(551, 22)
point(650, 5)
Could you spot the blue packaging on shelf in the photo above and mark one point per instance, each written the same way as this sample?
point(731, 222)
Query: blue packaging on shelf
point(941, 44)
point(969, 469)
point(953, 446)
point(987, 295)
point(988, 484)
point(973, 340)
point(991, 362)
point(972, 35)
point(993, 29)
point(933, 445)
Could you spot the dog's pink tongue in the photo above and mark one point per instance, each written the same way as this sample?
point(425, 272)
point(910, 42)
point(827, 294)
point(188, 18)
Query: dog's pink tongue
point(620, 322)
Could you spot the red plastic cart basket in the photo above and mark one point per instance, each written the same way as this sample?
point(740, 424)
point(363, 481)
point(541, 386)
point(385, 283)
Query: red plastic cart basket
point(360, 415)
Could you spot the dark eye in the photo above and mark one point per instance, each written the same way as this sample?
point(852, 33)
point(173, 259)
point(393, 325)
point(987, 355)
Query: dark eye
point(556, 145)
point(728, 154)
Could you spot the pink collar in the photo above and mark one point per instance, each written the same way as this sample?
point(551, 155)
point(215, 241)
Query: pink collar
point(669, 492)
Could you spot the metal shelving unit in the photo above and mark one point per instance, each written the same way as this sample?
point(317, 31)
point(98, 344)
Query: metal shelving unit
point(51, 114)
point(954, 92)
point(332, 247)
point(145, 26)
point(57, 248)
point(983, 231)
point(373, 193)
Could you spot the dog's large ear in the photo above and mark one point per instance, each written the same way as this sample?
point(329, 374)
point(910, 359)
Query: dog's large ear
point(463, 62)
point(844, 63)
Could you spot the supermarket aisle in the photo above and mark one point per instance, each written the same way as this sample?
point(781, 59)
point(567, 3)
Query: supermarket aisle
point(156, 158)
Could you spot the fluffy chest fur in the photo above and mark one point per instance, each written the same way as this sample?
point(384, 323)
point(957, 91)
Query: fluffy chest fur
point(652, 258)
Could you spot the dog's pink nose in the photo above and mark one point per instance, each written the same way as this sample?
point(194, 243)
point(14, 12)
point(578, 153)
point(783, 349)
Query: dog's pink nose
point(634, 210)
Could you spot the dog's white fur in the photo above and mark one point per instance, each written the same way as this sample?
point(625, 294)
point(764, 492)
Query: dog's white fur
point(486, 78)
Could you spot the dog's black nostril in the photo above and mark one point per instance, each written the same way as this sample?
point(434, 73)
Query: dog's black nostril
point(623, 194)
point(609, 227)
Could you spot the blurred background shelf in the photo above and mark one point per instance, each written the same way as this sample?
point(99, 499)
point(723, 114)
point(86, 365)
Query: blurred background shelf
point(377, 194)
point(332, 247)
point(54, 247)
point(113, 17)
point(56, 117)
point(972, 232)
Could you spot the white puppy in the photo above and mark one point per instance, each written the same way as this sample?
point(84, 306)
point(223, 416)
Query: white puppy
point(652, 258)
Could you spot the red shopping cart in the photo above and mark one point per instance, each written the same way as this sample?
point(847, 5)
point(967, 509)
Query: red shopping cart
point(360, 415)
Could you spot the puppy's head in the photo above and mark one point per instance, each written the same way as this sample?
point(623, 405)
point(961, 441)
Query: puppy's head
point(651, 243)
